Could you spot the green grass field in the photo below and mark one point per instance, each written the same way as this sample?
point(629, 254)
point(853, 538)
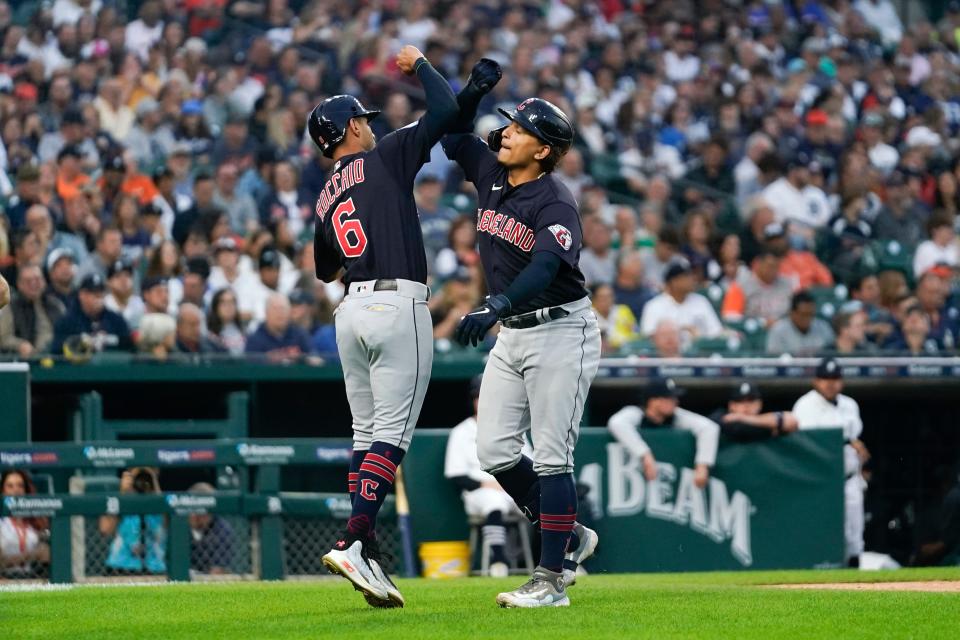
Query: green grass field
point(702, 605)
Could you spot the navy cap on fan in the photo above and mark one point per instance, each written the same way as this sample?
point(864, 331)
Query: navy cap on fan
point(677, 267)
point(269, 258)
point(93, 282)
point(120, 266)
point(545, 120)
point(327, 124)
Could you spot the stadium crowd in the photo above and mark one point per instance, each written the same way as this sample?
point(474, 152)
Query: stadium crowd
point(777, 176)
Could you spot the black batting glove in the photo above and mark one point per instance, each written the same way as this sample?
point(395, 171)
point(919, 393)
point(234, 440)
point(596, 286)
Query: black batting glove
point(485, 75)
point(495, 138)
point(474, 326)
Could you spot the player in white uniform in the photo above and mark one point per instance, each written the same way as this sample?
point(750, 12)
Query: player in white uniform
point(660, 410)
point(826, 408)
point(483, 497)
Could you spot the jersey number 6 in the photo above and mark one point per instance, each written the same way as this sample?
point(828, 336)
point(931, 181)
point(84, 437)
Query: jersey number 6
point(344, 228)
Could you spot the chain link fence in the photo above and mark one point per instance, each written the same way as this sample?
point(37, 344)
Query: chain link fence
point(305, 540)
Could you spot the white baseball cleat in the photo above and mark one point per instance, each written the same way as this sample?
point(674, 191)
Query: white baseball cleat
point(544, 589)
point(351, 563)
point(588, 544)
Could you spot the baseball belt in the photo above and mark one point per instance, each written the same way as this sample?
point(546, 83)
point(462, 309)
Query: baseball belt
point(534, 318)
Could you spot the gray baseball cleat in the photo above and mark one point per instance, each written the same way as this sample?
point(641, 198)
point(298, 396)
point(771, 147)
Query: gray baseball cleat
point(350, 561)
point(588, 544)
point(544, 589)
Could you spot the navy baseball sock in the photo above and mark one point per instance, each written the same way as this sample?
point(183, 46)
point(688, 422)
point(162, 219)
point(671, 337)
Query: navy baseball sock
point(374, 481)
point(495, 534)
point(356, 459)
point(558, 512)
point(523, 485)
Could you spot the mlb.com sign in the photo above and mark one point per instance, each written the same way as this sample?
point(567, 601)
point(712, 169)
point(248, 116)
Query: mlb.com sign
point(265, 454)
point(673, 497)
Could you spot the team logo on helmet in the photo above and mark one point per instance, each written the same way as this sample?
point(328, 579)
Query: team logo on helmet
point(523, 105)
point(563, 236)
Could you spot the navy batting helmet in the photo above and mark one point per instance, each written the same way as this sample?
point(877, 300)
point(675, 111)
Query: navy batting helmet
point(328, 121)
point(544, 120)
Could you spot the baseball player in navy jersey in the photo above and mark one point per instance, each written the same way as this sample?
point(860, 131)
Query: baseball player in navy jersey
point(548, 348)
point(368, 231)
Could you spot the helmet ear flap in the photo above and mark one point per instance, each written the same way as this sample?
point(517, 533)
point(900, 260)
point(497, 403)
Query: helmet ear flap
point(495, 138)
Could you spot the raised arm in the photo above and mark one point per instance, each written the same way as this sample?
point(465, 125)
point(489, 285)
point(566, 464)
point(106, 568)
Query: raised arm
point(442, 109)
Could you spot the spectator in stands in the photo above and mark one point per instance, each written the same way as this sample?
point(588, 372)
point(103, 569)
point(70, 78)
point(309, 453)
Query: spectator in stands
point(98, 328)
point(277, 338)
point(713, 172)
point(4, 293)
point(109, 250)
point(190, 332)
point(121, 298)
point(458, 296)
point(26, 251)
point(697, 235)
point(301, 310)
point(746, 173)
point(667, 340)
point(865, 289)
point(27, 194)
point(825, 407)
point(692, 312)
point(743, 419)
point(224, 323)
point(629, 288)
point(932, 292)
point(200, 213)
point(435, 218)
point(156, 295)
point(597, 259)
point(24, 550)
point(763, 293)
point(799, 264)
point(134, 237)
point(74, 233)
point(70, 179)
point(194, 282)
point(211, 539)
point(226, 272)
point(759, 216)
point(460, 250)
point(882, 155)
point(660, 409)
point(914, 337)
point(570, 172)
point(850, 331)
point(618, 325)
point(157, 335)
point(138, 543)
point(286, 202)
point(901, 217)
point(941, 248)
point(240, 207)
point(664, 251)
point(61, 267)
point(801, 333)
point(483, 497)
point(26, 325)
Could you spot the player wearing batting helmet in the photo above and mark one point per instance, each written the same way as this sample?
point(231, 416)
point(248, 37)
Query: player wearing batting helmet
point(368, 230)
point(548, 348)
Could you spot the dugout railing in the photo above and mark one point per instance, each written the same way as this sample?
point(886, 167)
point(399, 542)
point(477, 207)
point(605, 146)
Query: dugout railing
point(280, 534)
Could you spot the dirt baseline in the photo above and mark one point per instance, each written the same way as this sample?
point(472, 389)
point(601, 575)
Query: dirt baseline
point(929, 586)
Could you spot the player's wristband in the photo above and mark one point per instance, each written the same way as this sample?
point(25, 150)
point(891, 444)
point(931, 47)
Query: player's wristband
point(779, 415)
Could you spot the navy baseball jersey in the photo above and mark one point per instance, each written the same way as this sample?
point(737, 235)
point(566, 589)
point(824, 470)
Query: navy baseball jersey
point(513, 223)
point(367, 219)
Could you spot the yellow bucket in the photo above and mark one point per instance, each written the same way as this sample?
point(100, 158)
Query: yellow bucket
point(445, 559)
